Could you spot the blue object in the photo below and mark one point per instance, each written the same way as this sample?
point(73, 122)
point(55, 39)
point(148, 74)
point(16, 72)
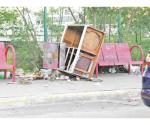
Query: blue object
point(145, 93)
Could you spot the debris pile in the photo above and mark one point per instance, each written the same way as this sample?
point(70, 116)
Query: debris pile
point(75, 57)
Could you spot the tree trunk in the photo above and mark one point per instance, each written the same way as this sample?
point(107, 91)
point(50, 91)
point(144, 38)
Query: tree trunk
point(94, 16)
point(35, 51)
point(73, 16)
point(133, 13)
point(25, 21)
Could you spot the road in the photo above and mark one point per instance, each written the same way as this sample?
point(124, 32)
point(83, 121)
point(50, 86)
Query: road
point(91, 108)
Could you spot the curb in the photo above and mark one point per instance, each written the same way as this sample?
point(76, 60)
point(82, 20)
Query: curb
point(15, 102)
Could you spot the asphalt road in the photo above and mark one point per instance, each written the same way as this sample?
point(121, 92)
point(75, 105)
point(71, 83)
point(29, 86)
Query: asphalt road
point(93, 108)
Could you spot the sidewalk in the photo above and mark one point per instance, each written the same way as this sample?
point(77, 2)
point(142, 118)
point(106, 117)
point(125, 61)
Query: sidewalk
point(41, 91)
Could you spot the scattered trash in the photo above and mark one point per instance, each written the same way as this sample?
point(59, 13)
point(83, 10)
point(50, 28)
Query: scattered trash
point(24, 78)
point(38, 75)
point(135, 70)
point(112, 70)
point(54, 75)
point(96, 80)
point(46, 74)
point(77, 78)
point(62, 77)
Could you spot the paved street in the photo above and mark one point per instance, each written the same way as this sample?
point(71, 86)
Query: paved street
point(93, 108)
point(118, 95)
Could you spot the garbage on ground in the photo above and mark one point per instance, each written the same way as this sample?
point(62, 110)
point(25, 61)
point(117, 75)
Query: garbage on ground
point(135, 70)
point(63, 77)
point(97, 80)
point(47, 74)
point(41, 74)
point(23, 78)
point(112, 70)
point(75, 57)
point(77, 78)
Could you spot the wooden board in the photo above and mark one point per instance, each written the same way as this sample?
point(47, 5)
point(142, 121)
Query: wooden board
point(83, 63)
point(72, 37)
point(92, 41)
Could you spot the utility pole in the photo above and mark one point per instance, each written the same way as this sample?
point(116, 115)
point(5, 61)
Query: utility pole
point(45, 25)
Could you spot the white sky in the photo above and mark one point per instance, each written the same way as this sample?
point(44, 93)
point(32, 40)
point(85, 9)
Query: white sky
point(76, 3)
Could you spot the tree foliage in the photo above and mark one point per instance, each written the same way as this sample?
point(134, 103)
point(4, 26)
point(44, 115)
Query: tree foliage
point(126, 24)
point(28, 52)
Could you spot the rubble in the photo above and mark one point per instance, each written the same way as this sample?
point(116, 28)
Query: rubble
point(46, 74)
point(75, 56)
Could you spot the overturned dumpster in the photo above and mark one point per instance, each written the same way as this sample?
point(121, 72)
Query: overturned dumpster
point(83, 44)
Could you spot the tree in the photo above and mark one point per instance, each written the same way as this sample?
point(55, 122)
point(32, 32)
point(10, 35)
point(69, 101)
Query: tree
point(133, 27)
point(29, 54)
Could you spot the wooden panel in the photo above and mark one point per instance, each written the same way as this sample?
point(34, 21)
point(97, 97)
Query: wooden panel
point(81, 70)
point(76, 40)
point(97, 52)
point(72, 37)
point(69, 36)
point(92, 41)
point(83, 63)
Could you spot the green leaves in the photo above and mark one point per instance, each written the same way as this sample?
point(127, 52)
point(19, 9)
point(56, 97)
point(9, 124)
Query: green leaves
point(134, 27)
point(7, 15)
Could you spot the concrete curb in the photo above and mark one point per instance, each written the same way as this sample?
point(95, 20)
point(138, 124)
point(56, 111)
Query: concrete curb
point(14, 102)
